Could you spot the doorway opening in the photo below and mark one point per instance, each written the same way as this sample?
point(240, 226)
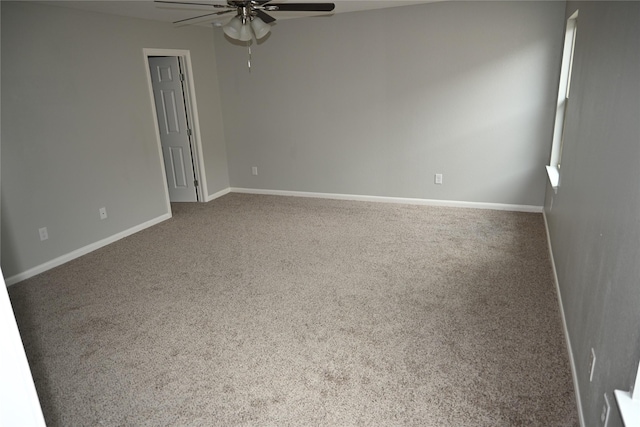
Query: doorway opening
point(175, 116)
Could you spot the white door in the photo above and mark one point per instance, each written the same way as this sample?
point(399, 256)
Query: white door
point(175, 135)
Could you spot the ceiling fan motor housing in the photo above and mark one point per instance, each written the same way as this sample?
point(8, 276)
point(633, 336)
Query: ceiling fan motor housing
point(250, 15)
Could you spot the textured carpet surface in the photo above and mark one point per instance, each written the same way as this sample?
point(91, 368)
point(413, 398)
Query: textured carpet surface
point(278, 311)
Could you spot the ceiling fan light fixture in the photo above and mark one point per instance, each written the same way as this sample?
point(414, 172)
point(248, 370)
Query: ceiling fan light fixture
point(260, 28)
point(245, 33)
point(233, 28)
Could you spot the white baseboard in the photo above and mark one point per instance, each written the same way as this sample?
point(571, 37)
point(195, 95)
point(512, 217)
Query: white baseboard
point(574, 372)
point(218, 194)
point(399, 200)
point(83, 251)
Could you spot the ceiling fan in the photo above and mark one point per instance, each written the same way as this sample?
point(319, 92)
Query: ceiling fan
point(249, 15)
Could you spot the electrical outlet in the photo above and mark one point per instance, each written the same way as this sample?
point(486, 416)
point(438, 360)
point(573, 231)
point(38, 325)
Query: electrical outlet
point(438, 178)
point(592, 364)
point(604, 415)
point(254, 170)
point(44, 234)
point(103, 213)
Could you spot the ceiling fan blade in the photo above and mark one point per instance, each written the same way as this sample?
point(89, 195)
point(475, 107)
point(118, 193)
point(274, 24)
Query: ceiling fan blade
point(167, 3)
point(300, 7)
point(265, 16)
point(201, 18)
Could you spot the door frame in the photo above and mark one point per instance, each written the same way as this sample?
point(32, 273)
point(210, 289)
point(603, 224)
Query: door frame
point(184, 56)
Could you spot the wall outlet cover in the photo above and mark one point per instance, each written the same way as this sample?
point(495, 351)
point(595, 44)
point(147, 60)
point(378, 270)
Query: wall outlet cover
point(606, 409)
point(44, 234)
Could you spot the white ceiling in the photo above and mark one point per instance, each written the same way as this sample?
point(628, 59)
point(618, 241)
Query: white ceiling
point(147, 9)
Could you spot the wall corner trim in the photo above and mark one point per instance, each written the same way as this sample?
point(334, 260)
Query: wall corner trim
point(574, 372)
point(84, 250)
point(399, 200)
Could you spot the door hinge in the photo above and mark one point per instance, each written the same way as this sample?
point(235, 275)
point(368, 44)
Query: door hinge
point(181, 77)
point(195, 182)
point(189, 132)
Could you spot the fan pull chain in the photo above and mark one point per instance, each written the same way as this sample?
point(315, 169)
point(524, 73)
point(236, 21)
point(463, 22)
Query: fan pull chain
point(249, 60)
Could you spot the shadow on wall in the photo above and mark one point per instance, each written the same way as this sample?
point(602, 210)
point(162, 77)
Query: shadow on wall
point(9, 255)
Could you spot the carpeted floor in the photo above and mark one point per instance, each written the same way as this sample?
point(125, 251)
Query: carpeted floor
point(279, 311)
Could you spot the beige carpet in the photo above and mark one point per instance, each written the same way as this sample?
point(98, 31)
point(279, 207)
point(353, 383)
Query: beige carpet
point(276, 311)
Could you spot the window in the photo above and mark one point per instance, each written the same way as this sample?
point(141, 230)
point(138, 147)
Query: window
point(563, 101)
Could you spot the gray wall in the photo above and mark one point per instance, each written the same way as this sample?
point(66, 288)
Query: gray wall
point(78, 130)
point(376, 103)
point(594, 221)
